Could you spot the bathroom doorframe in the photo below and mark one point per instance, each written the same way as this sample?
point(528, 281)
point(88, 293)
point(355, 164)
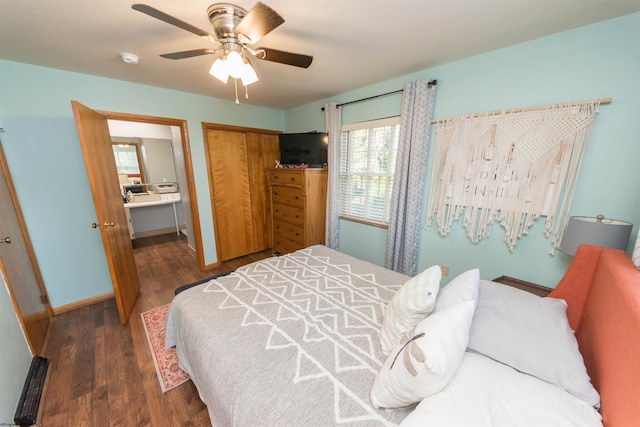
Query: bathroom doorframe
point(188, 167)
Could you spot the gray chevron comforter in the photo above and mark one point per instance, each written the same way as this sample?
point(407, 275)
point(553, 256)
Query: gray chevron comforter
point(287, 341)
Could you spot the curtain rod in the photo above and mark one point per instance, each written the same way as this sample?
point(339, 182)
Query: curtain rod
point(431, 83)
point(519, 110)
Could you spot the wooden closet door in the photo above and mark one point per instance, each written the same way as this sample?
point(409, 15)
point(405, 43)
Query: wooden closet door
point(262, 152)
point(231, 195)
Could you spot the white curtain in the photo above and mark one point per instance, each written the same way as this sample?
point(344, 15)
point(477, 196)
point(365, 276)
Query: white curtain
point(409, 178)
point(333, 126)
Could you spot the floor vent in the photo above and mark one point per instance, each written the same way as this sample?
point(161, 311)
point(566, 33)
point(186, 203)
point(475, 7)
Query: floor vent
point(27, 411)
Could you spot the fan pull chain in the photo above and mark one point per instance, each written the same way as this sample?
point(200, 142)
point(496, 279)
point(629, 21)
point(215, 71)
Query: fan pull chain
point(235, 82)
point(246, 92)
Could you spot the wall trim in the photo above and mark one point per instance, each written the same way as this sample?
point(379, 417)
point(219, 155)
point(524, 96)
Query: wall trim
point(158, 232)
point(82, 303)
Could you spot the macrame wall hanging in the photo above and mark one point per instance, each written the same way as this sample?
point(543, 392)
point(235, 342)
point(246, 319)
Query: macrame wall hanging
point(510, 166)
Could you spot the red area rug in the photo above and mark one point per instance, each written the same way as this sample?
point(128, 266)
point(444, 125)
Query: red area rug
point(169, 373)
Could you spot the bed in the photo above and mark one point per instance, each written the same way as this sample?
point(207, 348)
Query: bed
point(317, 337)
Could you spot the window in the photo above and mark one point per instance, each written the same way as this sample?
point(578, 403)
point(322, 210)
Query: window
point(367, 165)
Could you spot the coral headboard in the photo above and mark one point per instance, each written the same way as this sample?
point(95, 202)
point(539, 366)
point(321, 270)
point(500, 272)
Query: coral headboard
point(602, 290)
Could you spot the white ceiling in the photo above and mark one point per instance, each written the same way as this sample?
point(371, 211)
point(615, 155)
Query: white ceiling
point(354, 43)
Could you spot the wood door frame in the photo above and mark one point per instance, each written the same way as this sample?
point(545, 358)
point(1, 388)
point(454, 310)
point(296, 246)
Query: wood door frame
point(188, 167)
point(206, 126)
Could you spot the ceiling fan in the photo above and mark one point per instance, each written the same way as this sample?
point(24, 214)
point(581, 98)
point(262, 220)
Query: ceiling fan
point(237, 30)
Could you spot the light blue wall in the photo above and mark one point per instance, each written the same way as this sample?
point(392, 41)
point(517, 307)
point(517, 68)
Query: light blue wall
point(15, 356)
point(597, 61)
point(42, 149)
point(47, 167)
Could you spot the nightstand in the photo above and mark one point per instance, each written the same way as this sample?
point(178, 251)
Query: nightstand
point(533, 288)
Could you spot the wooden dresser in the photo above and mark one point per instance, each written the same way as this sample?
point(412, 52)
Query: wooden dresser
point(298, 207)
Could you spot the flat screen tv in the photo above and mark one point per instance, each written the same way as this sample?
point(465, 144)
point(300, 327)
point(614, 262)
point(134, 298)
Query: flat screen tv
point(308, 148)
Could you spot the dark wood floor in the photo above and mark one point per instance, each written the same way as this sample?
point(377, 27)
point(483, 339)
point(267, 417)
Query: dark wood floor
point(101, 372)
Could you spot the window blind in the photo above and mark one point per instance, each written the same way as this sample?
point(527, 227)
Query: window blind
point(367, 165)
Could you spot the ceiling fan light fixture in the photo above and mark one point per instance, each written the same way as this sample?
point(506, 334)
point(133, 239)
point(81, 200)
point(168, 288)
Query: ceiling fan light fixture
point(236, 29)
point(235, 64)
point(249, 74)
point(219, 70)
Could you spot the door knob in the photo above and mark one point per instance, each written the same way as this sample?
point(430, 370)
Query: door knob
point(6, 240)
point(105, 225)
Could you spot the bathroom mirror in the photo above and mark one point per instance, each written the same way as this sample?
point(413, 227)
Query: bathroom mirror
point(128, 159)
point(144, 160)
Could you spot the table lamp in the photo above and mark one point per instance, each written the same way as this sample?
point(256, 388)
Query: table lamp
point(598, 231)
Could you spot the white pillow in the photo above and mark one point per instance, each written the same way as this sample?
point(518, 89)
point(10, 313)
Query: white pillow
point(424, 364)
point(462, 288)
point(412, 303)
point(530, 334)
point(485, 393)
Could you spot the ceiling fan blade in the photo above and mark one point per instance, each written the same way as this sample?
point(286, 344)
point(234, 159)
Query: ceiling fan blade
point(158, 14)
point(288, 58)
point(258, 22)
point(188, 53)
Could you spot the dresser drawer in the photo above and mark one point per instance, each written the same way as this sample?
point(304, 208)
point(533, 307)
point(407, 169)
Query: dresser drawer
point(288, 195)
point(286, 177)
point(288, 213)
point(287, 230)
point(283, 245)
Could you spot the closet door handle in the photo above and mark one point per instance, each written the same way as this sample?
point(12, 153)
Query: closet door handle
point(6, 240)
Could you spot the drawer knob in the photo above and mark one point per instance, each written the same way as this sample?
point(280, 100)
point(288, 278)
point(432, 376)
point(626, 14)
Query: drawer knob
point(293, 178)
point(297, 197)
point(297, 216)
point(275, 193)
